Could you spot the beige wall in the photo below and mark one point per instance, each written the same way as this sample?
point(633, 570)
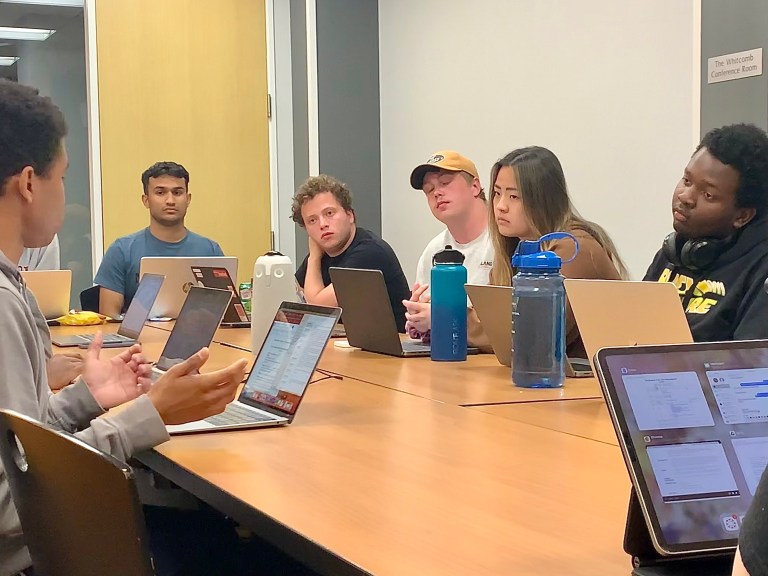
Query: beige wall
point(186, 81)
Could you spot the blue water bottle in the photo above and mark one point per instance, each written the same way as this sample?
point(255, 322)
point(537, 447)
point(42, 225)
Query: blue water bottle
point(449, 306)
point(538, 315)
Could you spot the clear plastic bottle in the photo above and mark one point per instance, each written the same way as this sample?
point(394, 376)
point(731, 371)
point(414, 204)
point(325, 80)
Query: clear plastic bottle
point(538, 316)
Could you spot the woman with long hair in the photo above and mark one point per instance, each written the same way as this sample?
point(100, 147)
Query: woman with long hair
point(529, 198)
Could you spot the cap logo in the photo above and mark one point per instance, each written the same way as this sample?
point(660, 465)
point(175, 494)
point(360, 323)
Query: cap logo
point(435, 159)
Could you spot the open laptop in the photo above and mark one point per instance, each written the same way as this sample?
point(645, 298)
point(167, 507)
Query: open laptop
point(493, 305)
point(624, 313)
point(368, 318)
point(133, 321)
point(281, 373)
point(178, 279)
point(692, 423)
point(51, 289)
point(194, 329)
point(218, 277)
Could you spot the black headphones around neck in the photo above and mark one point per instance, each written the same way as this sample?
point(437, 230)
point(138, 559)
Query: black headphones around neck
point(694, 254)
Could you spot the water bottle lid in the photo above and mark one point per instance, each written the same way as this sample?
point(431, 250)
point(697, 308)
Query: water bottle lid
point(530, 256)
point(448, 256)
point(273, 253)
point(538, 261)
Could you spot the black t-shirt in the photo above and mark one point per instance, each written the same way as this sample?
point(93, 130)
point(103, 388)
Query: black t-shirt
point(753, 539)
point(369, 252)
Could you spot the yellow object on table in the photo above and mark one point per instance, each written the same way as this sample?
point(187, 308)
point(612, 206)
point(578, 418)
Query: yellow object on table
point(82, 319)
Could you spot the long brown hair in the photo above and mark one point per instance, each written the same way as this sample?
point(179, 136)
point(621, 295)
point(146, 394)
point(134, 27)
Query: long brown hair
point(547, 207)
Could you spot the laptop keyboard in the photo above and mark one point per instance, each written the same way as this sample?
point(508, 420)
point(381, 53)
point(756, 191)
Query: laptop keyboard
point(236, 414)
point(415, 347)
point(107, 337)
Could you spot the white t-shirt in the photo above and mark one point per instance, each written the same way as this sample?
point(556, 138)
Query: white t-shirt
point(45, 258)
point(478, 257)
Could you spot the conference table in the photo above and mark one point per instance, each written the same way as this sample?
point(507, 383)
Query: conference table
point(478, 381)
point(389, 477)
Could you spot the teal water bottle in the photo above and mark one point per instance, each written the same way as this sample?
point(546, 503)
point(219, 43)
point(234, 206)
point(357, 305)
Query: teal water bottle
point(449, 306)
point(538, 315)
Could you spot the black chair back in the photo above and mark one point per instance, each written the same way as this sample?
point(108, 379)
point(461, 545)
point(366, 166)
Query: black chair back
point(89, 299)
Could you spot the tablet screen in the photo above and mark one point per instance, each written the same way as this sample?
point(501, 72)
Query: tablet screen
point(693, 423)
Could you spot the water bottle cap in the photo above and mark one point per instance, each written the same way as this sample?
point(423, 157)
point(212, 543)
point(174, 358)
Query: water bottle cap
point(448, 256)
point(273, 253)
point(538, 261)
point(530, 256)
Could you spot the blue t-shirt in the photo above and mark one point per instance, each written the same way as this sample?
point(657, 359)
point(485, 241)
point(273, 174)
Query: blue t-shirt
point(119, 270)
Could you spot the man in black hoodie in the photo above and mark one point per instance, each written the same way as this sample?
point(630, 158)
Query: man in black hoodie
point(718, 254)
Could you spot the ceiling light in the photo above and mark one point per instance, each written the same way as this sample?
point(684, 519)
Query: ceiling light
point(72, 3)
point(8, 60)
point(8, 33)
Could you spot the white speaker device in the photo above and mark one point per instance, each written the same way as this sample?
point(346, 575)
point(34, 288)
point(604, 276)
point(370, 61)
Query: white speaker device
point(273, 283)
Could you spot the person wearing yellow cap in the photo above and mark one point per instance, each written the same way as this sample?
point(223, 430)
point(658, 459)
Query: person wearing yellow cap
point(456, 198)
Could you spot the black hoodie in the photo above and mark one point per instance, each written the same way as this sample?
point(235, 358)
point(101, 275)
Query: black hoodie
point(727, 299)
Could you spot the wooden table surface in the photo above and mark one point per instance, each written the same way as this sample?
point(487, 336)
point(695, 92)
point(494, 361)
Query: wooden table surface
point(479, 380)
point(584, 418)
point(392, 484)
point(371, 480)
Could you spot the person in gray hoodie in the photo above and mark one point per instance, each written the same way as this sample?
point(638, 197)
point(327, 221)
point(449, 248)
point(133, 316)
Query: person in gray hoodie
point(33, 161)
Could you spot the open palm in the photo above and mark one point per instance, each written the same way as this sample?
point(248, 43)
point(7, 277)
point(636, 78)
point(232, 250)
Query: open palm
point(116, 380)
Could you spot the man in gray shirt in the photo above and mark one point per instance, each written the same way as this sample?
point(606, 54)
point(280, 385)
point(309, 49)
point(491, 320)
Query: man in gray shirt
point(33, 160)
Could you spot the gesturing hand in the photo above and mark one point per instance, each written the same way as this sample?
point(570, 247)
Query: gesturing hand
point(183, 395)
point(117, 380)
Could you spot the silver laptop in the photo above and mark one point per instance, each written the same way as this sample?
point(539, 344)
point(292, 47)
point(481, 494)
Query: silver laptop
point(281, 373)
point(51, 289)
point(692, 424)
point(194, 329)
point(133, 322)
point(493, 305)
point(624, 313)
point(178, 279)
point(368, 318)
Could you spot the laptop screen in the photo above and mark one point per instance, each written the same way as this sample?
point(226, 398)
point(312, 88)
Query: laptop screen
point(218, 277)
point(288, 357)
point(197, 322)
point(142, 302)
point(694, 427)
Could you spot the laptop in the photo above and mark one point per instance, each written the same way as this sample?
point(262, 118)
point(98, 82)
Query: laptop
point(368, 318)
point(218, 277)
point(51, 289)
point(624, 313)
point(178, 279)
point(692, 423)
point(194, 329)
point(493, 305)
point(133, 321)
point(281, 373)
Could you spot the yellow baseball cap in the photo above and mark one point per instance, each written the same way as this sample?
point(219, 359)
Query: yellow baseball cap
point(449, 160)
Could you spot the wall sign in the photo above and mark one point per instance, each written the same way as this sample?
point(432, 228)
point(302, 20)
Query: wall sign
point(735, 66)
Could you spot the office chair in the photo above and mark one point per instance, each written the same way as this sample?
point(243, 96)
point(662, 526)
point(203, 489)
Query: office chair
point(79, 508)
point(89, 299)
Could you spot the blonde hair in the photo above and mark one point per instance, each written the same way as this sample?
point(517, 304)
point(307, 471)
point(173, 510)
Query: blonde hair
point(547, 207)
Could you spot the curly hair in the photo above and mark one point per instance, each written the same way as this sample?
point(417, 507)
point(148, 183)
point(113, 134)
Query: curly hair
point(744, 147)
point(315, 185)
point(164, 169)
point(31, 131)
